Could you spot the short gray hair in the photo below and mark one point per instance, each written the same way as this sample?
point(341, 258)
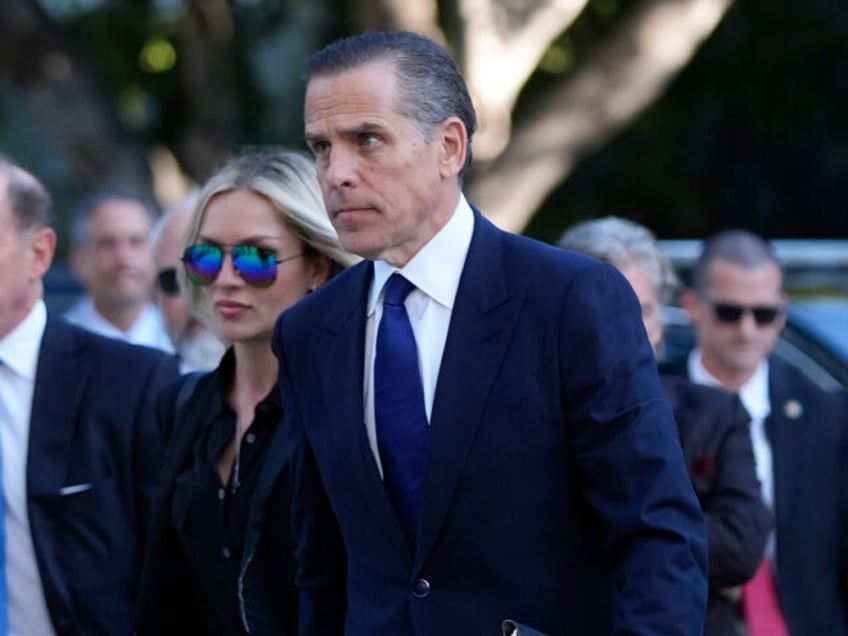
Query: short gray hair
point(736, 246)
point(621, 243)
point(86, 208)
point(29, 200)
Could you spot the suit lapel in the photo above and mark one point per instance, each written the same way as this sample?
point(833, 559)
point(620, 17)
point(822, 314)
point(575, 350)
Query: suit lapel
point(785, 436)
point(61, 376)
point(60, 379)
point(340, 345)
point(482, 323)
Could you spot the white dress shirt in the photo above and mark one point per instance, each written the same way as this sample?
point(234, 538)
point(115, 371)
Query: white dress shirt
point(435, 271)
point(19, 351)
point(148, 329)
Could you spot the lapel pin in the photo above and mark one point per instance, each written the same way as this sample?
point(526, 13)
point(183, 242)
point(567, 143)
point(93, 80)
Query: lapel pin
point(792, 409)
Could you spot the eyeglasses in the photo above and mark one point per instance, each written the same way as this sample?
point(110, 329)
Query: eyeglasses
point(256, 265)
point(168, 283)
point(729, 313)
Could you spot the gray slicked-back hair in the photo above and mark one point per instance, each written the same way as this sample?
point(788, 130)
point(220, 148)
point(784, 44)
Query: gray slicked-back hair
point(433, 87)
point(29, 200)
point(621, 243)
point(86, 208)
point(737, 246)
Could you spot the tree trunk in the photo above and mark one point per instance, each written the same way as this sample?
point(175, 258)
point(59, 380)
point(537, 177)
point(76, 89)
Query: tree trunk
point(578, 115)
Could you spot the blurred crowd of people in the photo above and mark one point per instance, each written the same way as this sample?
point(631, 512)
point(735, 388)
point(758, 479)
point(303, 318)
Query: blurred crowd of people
point(324, 395)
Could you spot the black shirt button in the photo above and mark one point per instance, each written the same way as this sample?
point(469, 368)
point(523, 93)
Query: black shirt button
point(221, 493)
point(250, 438)
point(225, 552)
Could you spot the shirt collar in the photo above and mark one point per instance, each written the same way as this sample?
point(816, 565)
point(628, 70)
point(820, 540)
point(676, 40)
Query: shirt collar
point(19, 349)
point(754, 393)
point(437, 267)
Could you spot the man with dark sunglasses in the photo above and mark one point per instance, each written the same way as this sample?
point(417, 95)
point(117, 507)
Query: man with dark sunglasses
point(798, 432)
point(197, 347)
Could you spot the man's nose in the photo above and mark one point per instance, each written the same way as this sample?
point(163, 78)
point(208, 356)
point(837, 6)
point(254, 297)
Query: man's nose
point(340, 168)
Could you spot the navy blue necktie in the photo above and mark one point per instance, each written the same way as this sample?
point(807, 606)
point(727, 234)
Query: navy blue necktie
point(399, 414)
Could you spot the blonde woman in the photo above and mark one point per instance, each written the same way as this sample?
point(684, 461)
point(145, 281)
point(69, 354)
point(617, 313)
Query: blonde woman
point(220, 559)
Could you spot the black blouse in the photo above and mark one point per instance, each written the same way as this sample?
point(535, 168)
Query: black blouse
point(211, 517)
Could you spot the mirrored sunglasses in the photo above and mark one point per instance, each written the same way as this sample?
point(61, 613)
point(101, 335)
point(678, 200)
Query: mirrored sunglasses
point(257, 266)
point(730, 313)
point(168, 283)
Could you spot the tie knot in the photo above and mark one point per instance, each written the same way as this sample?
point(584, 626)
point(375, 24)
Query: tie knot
point(396, 290)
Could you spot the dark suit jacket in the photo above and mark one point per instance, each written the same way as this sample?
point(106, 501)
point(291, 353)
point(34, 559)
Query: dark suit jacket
point(808, 431)
point(714, 434)
point(167, 605)
point(92, 426)
point(554, 490)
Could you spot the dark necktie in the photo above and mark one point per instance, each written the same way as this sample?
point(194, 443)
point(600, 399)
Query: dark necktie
point(399, 414)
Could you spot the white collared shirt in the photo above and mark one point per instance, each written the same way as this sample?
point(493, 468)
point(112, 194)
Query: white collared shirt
point(19, 351)
point(755, 398)
point(435, 271)
point(148, 329)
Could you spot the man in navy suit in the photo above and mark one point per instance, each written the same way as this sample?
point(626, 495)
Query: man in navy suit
point(799, 434)
point(79, 448)
point(553, 491)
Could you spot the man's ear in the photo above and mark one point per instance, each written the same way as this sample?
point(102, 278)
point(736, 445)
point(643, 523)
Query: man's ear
point(77, 263)
point(453, 146)
point(42, 248)
point(319, 271)
point(689, 302)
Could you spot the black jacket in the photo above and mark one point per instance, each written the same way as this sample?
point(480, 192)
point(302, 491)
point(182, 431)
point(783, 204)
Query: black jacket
point(713, 428)
point(91, 472)
point(267, 601)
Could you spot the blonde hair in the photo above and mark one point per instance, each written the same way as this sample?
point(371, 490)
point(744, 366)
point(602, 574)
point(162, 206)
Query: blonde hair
point(288, 180)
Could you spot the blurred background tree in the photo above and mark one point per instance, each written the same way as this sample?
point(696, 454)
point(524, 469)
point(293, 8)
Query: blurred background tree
point(686, 115)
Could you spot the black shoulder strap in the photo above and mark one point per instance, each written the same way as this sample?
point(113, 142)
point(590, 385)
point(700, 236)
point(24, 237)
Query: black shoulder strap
point(186, 390)
point(172, 402)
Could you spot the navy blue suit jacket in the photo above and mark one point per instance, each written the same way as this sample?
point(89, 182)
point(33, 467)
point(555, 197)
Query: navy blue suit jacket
point(554, 490)
point(808, 431)
point(92, 463)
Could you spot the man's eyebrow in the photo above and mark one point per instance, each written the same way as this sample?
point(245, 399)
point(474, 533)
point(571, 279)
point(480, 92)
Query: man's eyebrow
point(351, 131)
point(365, 126)
point(308, 136)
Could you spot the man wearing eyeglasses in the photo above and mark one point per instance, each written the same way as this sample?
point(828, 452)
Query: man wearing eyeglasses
point(738, 308)
point(197, 347)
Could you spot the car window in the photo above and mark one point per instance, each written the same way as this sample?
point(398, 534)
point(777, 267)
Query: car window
point(807, 343)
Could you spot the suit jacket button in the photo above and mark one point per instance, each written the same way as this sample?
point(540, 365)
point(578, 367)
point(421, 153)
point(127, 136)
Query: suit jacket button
point(421, 588)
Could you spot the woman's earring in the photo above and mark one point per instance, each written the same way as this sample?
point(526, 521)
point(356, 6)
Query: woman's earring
point(312, 288)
